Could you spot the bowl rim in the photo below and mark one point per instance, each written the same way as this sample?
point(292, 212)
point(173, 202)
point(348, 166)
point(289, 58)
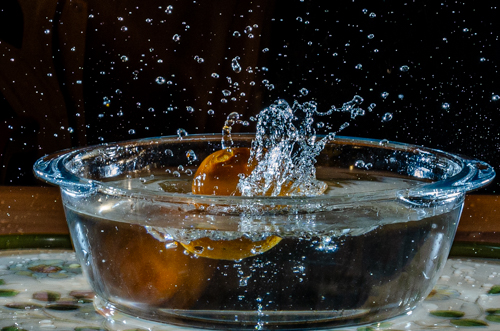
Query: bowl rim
point(470, 175)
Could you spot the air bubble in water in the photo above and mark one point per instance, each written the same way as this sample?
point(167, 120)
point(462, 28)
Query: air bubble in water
point(160, 80)
point(176, 37)
point(387, 117)
point(404, 68)
point(190, 109)
point(235, 65)
point(181, 133)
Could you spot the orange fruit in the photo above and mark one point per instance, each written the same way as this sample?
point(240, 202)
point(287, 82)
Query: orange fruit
point(236, 249)
point(218, 174)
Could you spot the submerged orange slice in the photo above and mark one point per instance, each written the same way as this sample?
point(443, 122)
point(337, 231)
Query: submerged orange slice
point(236, 249)
point(219, 174)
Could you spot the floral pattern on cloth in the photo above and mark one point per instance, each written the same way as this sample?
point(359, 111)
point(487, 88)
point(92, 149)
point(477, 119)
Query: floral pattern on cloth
point(43, 290)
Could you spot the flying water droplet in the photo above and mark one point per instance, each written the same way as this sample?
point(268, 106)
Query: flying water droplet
point(372, 15)
point(496, 97)
point(235, 65)
point(176, 37)
point(387, 117)
point(168, 152)
point(371, 36)
point(236, 34)
point(190, 109)
point(304, 91)
point(445, 106)
point(169, 9)
point(404, 68)
point(385, 95)
point(160, 80)
point(359, 66)
point(191, 156)
point(359, 164)
point(181, 133)
point(124, 29)
point(226, 93)
point(383, 142)
point(124, 58)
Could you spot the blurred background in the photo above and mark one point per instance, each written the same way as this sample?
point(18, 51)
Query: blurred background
point(84, 72)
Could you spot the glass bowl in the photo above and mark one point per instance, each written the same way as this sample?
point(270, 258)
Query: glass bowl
point(368, 249)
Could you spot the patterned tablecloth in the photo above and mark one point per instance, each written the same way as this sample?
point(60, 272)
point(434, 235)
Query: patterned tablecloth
point(42, 290)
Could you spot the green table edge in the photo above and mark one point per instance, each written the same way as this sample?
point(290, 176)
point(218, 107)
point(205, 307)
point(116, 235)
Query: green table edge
point(33, 241)
point(63, 241)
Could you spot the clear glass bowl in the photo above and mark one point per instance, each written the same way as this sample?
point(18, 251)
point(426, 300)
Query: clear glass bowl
point(368, 249)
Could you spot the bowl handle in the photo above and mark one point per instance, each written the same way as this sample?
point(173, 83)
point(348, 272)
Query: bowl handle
point(474, 174)
point(51, 170)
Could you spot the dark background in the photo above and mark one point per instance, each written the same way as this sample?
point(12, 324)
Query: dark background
point(81, 72)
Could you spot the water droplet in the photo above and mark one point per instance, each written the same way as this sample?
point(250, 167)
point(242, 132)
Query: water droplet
point(191, 156)
point(299, 19)
point(46, 31)
point(304, 91)
point(124, 29)
point(383, 142)
point(160, 80)
point(483, 59)
point(359, 66)
point(119, 18)
point(124, 58)
point(387, 117)
point(465, 30)
point(214, 75)
point(248, 29)
point(371, 36)
point(372, 15)
point(168, 152)
point(149, 20)
point(359, 164)
point(235, 64)
point(91, 15)
point(73, 49)
point(131, 131)
point(385, 95)
point(199, 59)
point(265, 50)
point(404, 68)
point(169, 9)
point(365, 10)
point(71, 130)
point(401, 96)
point(375, 50)
point(176, 37)
point(236, 34)
point(445, 106)
point(118, 91)
point(226, 93)
point(181, 133)
point(151, 110)
point(496, 97)
point(190, 109)
point(210, 112)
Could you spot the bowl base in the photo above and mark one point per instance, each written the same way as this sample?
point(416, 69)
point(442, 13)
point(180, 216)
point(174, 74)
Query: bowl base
point(236, 320)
